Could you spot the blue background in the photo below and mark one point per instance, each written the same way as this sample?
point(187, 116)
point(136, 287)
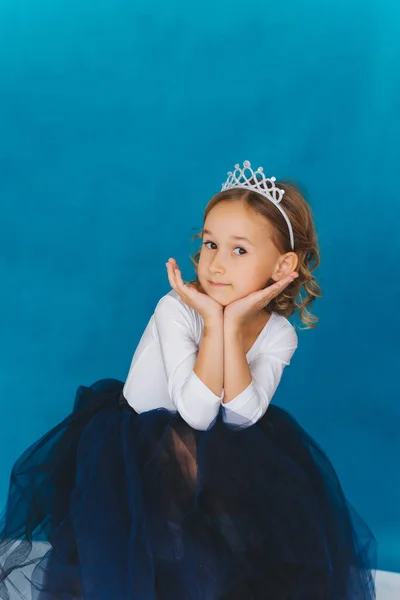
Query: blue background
point(119, 120)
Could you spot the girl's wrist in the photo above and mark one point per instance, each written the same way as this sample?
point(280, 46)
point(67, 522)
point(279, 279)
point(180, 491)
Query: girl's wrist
point(232, 324)
point(213, 319)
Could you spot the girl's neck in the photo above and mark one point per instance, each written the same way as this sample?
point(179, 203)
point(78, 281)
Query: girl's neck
point(254, 329)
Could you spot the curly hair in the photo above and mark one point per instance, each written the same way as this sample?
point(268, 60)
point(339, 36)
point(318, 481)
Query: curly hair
point(305, 245)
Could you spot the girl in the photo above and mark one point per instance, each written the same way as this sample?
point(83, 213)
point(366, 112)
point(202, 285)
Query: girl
point(185, 482)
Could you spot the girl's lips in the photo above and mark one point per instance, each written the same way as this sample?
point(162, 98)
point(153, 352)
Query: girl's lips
point(218, 284)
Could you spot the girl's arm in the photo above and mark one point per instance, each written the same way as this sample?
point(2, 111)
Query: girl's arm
point(194, 374)
point(236, 368)
point(248, 389)
point(209, 364)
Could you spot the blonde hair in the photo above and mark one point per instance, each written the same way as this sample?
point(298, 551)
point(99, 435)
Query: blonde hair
point(305, 245)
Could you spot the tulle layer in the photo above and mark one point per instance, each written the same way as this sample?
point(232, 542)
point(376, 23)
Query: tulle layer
point(113, 505)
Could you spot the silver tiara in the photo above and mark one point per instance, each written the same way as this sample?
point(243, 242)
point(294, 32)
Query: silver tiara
point(263, 185)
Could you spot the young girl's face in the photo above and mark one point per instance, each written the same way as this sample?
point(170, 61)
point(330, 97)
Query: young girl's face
point(244, 265)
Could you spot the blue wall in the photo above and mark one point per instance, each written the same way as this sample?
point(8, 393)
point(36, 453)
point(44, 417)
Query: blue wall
point(119, 120)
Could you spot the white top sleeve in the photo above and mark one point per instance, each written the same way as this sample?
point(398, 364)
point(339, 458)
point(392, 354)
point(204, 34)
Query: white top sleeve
point(161, 373)
point(266, 369)
point(194, 401)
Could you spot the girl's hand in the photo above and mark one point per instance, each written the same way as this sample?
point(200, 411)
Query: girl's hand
point(242, 310)
point(206, 306)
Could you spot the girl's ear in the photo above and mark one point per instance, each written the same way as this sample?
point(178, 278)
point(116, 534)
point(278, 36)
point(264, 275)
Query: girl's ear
point(293, 260)
point(287, 264)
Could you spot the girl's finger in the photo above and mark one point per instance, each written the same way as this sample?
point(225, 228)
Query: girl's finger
point(171, 275)
point(176, 279)
point(273, 290)
point(276, 287)
point(173, 264)
point(284, 282)
point(179, 281)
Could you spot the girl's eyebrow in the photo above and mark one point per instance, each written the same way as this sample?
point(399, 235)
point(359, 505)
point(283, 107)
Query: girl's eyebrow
point(234, 237)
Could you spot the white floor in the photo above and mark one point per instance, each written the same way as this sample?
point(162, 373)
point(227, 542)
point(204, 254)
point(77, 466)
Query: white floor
point(387, 585)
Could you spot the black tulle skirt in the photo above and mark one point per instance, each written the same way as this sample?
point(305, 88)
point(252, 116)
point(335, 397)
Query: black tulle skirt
point(115, 505)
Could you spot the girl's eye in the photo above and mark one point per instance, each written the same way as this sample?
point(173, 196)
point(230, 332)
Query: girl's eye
point(205, 244)
point(245, 251)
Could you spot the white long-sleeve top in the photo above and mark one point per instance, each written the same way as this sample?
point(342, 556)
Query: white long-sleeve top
point(161, 373)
